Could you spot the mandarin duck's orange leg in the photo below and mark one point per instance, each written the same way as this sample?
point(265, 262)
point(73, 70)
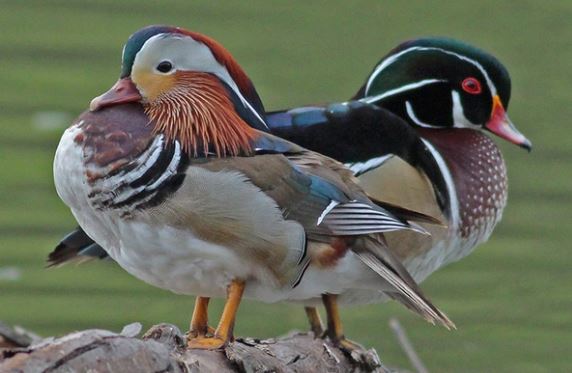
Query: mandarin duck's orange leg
point(199, 322)
point(315, 321)
point(335, 331)
point(223, 333)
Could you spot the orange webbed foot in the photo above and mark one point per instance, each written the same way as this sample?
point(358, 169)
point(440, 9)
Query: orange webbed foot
point(196, 333)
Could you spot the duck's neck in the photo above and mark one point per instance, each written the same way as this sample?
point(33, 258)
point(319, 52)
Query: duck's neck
point(479, 177)
point(199, 113)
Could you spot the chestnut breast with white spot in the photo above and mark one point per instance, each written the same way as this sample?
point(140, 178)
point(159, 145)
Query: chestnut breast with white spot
point(479, 176)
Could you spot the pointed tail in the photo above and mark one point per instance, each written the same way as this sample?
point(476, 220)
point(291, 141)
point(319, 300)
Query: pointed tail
point(376, 255)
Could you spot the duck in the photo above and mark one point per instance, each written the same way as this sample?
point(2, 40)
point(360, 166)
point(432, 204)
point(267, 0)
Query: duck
point(449, 92)
point(453, 95)
point(190, 193)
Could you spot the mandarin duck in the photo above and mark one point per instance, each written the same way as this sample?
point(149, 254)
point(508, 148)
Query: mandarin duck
point(187, 192)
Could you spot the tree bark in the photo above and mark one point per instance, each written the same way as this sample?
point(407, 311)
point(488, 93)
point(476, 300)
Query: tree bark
point(163, 349)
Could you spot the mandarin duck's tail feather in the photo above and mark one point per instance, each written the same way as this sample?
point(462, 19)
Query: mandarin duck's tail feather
point(373, 253)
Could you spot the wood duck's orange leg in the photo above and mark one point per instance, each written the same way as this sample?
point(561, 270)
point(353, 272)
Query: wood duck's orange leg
point(199, 322)
point(315, 321)
point(335, 330)
point(223, 333)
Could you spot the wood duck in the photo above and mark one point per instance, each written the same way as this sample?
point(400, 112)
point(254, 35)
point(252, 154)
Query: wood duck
point(450, 93)
point(173, 175)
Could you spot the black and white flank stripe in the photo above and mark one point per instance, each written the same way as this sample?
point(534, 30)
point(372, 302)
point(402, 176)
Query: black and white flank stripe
point(143, 182)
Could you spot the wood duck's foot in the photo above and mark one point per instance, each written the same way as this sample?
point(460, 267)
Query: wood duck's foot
point(206, 343)
point(335, 332)
point(347, 346)
point(315, 321)
point(356, 352)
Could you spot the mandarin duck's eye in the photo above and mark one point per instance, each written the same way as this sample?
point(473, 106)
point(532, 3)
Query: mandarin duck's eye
point(164, 67)
point(471, 85)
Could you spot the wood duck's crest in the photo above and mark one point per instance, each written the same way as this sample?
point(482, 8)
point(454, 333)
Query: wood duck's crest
point(495, 70)
point(444, 83)
point(440, 59)
point(191, 88)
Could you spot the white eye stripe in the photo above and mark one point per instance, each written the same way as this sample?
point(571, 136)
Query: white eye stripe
point(492, 87)
point(390, 60)
point(200, 58)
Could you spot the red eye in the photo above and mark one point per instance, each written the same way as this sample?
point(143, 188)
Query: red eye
point(471, 85)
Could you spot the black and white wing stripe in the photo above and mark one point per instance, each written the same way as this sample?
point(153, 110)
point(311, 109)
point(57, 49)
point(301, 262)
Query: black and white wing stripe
point(358, 218)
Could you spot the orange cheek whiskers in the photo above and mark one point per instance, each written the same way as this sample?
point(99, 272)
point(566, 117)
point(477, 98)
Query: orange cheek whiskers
point(199, 114)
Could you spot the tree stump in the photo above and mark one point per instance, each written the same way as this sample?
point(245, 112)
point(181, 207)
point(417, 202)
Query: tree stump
point(163, 349)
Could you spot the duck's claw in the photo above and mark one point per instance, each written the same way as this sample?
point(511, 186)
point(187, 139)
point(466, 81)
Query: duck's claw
point(347, 345)
point(196, 333)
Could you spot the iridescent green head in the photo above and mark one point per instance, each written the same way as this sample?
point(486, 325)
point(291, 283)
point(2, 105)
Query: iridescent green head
point(444, 83)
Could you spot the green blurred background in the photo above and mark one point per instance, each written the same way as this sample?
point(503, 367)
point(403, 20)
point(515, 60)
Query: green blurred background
point(511, 299)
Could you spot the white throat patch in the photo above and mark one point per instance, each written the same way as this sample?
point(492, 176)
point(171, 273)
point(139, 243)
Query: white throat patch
point(459, 118)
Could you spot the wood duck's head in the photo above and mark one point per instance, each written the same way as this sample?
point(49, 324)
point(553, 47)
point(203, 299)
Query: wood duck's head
point(444, 83)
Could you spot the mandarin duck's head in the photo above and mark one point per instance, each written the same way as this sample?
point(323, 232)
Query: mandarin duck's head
point(190, 86)
point(444, 83)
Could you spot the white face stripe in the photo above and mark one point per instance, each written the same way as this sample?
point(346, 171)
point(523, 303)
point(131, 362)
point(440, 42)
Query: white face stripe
point(390, 60)
point(492, 87)
point(459, 118)
point(411, 113)
point(407, 87)
point(188, 54)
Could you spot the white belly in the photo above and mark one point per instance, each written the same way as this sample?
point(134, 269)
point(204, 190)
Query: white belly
point(177, 260)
